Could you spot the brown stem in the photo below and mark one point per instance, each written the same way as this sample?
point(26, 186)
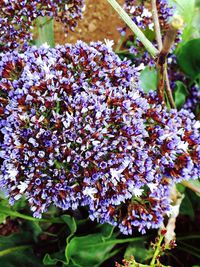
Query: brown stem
point(169, 39)
point(161, 82)
point(168, 89)
point(156, 24)
point(161, 63)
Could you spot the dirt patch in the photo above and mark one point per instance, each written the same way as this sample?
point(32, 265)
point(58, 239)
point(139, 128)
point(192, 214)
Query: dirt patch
point(100, 21)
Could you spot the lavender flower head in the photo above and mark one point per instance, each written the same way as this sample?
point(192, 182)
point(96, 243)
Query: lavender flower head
point(141, 13)
point(17, 17)
point(78, 131)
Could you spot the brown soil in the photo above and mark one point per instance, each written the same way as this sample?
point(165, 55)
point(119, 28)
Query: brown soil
point(100, 22)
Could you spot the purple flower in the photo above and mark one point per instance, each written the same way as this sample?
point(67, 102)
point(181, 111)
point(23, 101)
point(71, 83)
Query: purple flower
point(17, 18)
point(80, 134)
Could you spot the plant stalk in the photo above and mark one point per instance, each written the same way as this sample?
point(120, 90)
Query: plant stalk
point(148, 45)
point(156, 24)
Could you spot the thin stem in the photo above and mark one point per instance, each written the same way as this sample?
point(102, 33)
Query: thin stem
point(149, 46)
point(164, 76)
point(156, 24)
point(13, 249)
point(29, 218)
point(120, 42)
point(169, 39)
point(168, 89)
point(157, 251)
point(160, 67)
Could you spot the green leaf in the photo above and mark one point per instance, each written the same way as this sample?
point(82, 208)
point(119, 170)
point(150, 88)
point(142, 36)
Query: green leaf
point(189, 58)
point(106, 230)
point(16, 250)
point(60, 256)
point(195, 183)
point(181, 188)
point(180, 94)
point(70, 221)
point(45, 31)
point(93, 249)
point(54, 258)
point(148, 78)
point(187, 208)
point(88, 250)
point(138, 250)
point(186, 8)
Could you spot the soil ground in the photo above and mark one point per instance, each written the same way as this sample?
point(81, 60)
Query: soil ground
point(100, 21)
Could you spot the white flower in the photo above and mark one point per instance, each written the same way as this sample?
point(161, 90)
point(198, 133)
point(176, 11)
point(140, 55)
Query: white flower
point(137, 192)
point(141, 67)
point(115, 174)
point(182, 145)
point(89, 191)
point(132, 10)
point(109, 43)
point(22, 187)
point(146, 13)
point(197, 125)
point(45, 45)
point(152, 186)
point(12, 173)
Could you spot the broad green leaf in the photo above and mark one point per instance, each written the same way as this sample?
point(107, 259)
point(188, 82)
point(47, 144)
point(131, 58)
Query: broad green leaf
point(195, 183)
point(138, 250)
point(70, 221)
point(16, 250)
point(106, 230)
point(60, 256)
point(189, 58)
point(93, 249)
point(2, 218)
point(181, 188)
point(148, 78)
point(187, 207)
point(88, 250)
point(45, 31)
point(186, 8)
point(180, 94)
point(55, 258)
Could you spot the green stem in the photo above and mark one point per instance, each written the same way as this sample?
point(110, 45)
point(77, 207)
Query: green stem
point(29, 218)
point(157, 251)
point(121, 40)
point(149, 46)
point(138, 265)
point(10, 250)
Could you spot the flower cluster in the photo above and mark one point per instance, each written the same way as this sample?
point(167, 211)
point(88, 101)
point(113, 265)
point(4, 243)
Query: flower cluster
point(192, 103)
point(16, 18)
point(78, 131)
point(142, 16)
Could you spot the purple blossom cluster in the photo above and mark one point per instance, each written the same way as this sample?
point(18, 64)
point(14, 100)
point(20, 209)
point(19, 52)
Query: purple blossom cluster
point(192, 103)
point(140, 12)
point(17, 17)
point(78, 131)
